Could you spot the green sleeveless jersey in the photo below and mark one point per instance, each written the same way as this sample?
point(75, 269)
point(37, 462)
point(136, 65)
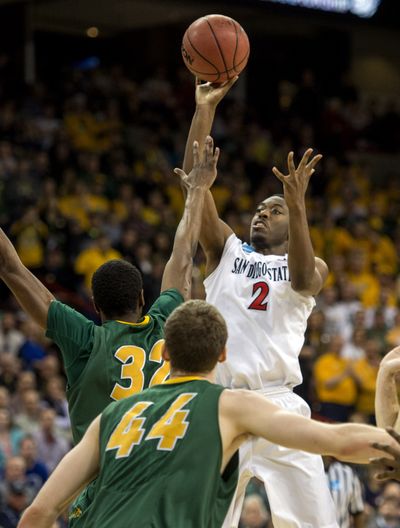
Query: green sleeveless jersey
point(160, 460)
point(108, 362)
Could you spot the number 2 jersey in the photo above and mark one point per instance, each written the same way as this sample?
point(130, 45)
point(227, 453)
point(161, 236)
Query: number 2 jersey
point(160, 460)
point(266, 318)
point(108, 362)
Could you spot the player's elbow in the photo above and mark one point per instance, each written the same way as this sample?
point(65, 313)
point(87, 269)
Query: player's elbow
point(35, 515)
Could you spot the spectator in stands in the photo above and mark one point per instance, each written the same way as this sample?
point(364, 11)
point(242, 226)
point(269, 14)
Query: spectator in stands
point(335, 387)
point(36, 471)
point(365, 371)
point(51, 446)
point(10, 437)
point(16, 499)
point(11, 339)
point(99, 252)
point(28, 418)
point(26, 381)
point(9, 368)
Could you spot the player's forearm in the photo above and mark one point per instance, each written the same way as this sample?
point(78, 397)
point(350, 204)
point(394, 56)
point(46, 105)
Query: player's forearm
point(178, 270)
point(200, 128)
point(31, 294)
point(9, 258)
point(188, 231)
point(353, 442)
point(301, 258)
point(386, 399)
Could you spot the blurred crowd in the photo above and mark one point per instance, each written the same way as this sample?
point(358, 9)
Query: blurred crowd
point(86, 175)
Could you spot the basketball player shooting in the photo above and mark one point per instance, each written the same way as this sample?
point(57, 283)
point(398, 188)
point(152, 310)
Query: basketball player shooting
point(265, 292)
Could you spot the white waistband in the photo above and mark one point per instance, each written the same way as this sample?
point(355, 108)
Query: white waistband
point(273, 391)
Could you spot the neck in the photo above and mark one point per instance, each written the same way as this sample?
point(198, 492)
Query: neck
point(209, 376)
point(128, 317)
point(273, 249)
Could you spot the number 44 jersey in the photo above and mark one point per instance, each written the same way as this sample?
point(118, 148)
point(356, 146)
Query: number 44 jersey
point(266, 318)
point(109, 362)
point(160, 460)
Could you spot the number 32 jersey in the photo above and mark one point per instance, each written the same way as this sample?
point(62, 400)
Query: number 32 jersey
point(109, 362)
point(266, 318)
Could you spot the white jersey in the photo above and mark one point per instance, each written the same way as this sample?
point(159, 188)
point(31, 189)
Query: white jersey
point(266, 318)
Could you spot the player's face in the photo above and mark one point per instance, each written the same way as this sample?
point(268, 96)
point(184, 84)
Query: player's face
point(269, 226)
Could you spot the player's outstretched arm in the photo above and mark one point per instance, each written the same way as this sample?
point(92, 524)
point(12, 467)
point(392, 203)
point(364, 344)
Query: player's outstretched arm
point(254, 414)
point(307, 273)
point(178, 271)
point(214, 231)
point(31, 294)
point(79, 467)
point(386, 397)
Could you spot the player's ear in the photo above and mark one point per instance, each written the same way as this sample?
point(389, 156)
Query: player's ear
point(141, 299)
point(95, 306)
point(164, 353)
point(222, 356)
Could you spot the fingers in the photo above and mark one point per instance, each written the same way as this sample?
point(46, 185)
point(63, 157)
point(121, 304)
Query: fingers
point(384, 463)
point(216, 156)
point(314, 161)
point(290, 162)
point(182, 174)
point(208, 149)
point(386, 449)
point(304, 159)
point(278, 174)
point(393, 434)
point(196, 156)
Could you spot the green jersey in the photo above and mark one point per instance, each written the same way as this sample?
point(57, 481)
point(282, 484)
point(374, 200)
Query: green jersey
point(108, 362)
point(160, 460)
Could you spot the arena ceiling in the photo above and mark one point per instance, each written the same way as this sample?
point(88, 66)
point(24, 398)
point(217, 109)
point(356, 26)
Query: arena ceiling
point(110, 16)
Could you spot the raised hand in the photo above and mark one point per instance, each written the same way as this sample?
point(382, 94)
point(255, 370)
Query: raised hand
point(204, 169)
point(211, 94)
point(296, 182)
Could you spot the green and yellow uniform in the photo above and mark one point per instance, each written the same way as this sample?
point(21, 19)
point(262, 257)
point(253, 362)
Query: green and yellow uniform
point(108, 362)
point(160, 460)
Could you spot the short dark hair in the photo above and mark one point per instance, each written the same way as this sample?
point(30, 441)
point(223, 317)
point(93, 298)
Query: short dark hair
point(195, 335)
point(116, 287)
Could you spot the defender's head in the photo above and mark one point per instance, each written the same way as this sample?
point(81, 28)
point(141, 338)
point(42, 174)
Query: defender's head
point(195, 337)
point(270, 225)
point(117, 289)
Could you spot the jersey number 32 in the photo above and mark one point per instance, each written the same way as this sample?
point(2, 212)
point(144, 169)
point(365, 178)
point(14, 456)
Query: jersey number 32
point(133, 359)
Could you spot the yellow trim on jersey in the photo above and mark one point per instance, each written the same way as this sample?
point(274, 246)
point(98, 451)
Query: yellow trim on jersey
point(145, 321)
point(181, 379)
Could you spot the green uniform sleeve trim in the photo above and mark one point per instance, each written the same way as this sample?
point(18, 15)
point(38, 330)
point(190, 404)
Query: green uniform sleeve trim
point(166, 303)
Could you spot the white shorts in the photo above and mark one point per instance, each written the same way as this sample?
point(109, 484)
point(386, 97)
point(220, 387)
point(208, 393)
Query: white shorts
point(294, 481)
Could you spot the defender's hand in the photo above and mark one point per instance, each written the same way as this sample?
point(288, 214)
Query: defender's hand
point(204, 169)
point(388, 467)
point(296, 182)
point(211, 94)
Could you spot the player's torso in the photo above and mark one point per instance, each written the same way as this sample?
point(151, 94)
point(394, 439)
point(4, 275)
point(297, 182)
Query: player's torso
point(125, 359)
point(160, 460)
point(266, 318)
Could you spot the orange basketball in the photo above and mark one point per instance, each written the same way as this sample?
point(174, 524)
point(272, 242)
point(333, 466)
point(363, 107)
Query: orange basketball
point(215, 48)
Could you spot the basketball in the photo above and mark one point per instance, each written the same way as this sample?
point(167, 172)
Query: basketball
point(215, 48)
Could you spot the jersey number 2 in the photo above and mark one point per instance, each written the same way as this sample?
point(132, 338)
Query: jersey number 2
point(133, 359)
point(260, 288)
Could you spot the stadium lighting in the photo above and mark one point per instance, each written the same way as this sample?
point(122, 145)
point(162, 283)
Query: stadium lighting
point(361, 8)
